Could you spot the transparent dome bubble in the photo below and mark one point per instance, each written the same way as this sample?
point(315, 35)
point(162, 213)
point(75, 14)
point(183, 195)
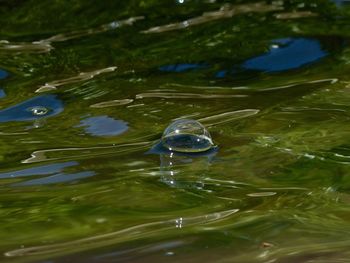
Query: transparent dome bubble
point(39, 110)
point(188, 136)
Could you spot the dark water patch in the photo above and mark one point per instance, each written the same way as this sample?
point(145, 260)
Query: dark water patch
point(183, 67)
point(103, 126)
point(27, 110)
point(341, 3)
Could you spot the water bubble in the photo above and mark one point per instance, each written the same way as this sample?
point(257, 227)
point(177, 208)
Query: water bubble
point(188, 136)
point(39, 110)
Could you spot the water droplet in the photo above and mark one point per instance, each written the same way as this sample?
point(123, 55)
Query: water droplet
point(187, 136)
point(39, 110)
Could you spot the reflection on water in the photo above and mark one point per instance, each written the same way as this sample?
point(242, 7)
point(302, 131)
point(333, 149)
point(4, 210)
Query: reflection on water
point(284, 54)
point(103, 126)
point(39, 170)
point(287, 53)
point(170, 168)
point(26, 111)
point(171, 164)
point(2, 93)
point(56, 178)
point(3, 74)
point(52, 174)
point(341, 2)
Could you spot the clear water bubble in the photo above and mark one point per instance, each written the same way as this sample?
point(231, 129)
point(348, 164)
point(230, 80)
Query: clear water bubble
point(39, 110)
point(188, 136)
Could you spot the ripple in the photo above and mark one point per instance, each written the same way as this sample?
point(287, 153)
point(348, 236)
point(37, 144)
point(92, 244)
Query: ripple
point(331, 81)
point(226, 11)
point(25, 47)
point(91, 31)
point(53, 85)
point(167, 95)
point(111, 103)
point(123, 235)
point(83, 152)
point(181, 86)
point(44, 45)
point(228, 116)
point(262, 194)
point(295, 15)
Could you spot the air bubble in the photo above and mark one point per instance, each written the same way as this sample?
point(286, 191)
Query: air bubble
point(39, 110)
point(188, 136)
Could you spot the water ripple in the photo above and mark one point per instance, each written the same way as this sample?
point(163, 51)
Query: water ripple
point(44, 45)
point(127, 234)
point(295, 15)
point(228, 116)
point(53, 85)
point(86, 32)
point(111, 103)
point(174, 95)
point(226, 11)
point(80, 152)
point(27, 47)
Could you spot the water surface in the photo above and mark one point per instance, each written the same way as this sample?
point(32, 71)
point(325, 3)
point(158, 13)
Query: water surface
point(86, 95)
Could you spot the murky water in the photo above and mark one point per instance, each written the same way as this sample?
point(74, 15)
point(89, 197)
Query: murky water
point(87, 89)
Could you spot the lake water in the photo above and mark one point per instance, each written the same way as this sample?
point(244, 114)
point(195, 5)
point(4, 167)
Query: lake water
point(87, 89)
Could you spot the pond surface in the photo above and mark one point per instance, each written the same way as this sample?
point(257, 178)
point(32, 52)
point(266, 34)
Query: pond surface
point(87, 89)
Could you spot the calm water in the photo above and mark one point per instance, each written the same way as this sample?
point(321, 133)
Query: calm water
point(87, 88)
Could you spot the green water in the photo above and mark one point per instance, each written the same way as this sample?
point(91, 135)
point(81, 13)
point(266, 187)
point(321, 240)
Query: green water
point(87, 88)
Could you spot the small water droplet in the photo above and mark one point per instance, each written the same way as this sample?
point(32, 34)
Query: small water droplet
point(187, 136)
point(39, 110)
